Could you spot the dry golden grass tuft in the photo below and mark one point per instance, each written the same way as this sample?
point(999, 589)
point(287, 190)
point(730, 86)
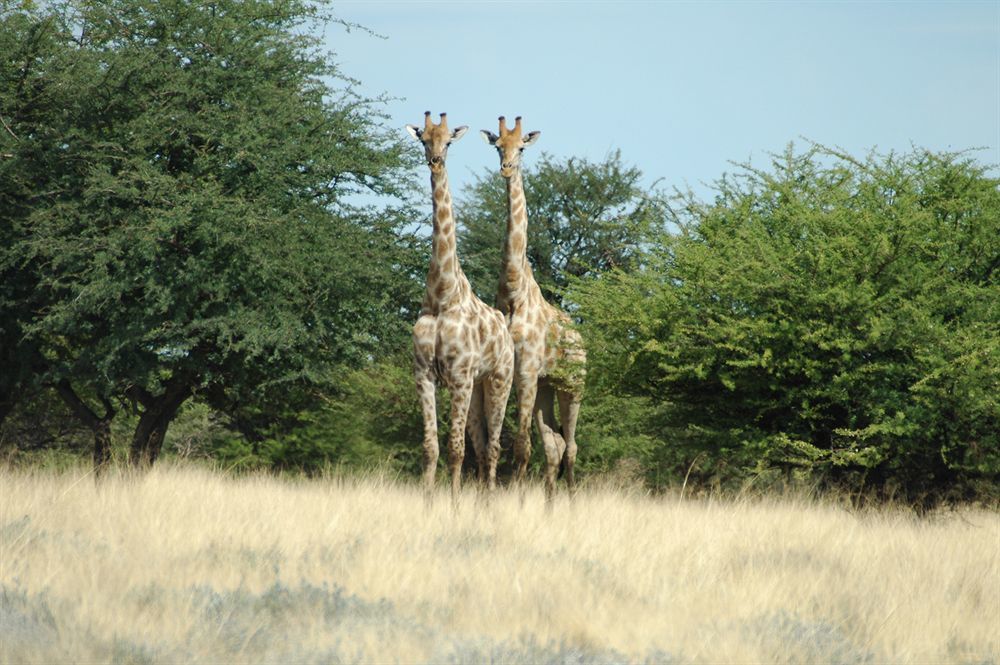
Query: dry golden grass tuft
point(184, 565)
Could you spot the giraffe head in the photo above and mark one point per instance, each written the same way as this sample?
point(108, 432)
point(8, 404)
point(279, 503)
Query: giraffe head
point(436, 139)
point(510, 144)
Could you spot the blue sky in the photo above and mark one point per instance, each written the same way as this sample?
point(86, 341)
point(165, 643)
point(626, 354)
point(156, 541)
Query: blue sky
point(685, 88)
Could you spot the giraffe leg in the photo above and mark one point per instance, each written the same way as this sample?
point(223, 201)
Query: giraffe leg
point(461, 397)
point(424, 331)
point(425, 390)
point(527, 389)
point(569, 410)
point(476, 430)
point(552, 440)
point(496, 391)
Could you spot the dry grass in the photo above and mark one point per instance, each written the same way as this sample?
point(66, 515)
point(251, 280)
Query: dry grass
point(187, 566)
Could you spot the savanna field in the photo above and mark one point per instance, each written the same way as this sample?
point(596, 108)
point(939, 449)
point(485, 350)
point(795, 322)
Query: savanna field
point(189, 565)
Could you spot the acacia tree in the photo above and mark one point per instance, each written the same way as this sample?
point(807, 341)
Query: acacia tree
point(831, 314)
point(173, 187)
point(583, 218)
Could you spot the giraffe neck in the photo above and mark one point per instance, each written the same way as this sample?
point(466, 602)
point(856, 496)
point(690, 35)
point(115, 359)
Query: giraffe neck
point(516, 277)
point(445, 280)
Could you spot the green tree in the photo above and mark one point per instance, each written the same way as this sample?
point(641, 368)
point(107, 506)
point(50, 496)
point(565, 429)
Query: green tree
point(372, 420)
point(829, 314)
point(175, 186)
point(583, 218)
point(30, 44)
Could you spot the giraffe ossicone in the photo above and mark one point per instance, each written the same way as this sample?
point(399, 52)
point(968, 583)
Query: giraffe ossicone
point(459, 341)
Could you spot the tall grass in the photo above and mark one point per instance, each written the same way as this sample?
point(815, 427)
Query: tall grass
point(184, 565)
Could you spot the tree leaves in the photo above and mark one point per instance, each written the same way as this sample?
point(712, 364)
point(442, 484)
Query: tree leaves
point(177, 202)
point(834, 311)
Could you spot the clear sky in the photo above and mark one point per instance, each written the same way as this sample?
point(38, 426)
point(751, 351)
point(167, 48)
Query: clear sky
point(684, 88)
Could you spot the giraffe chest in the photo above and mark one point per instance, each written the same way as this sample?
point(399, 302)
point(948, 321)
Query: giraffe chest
point(530, 335)
point(470, 343)
point(545, 346)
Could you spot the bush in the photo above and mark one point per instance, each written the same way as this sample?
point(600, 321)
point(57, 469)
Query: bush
point(835, 315)
point(374, 420)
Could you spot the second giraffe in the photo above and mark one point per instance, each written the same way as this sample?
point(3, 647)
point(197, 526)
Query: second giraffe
point(550, 361)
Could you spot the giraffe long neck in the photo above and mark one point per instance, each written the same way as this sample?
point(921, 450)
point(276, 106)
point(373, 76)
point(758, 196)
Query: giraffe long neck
point(516, 277)
point(445, 279)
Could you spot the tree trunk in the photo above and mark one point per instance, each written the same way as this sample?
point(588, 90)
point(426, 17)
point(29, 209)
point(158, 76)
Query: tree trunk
point(102, 446)
point(99, 425)
point(147, 440)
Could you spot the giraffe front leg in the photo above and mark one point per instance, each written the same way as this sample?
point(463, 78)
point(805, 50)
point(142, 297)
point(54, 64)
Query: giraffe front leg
point(428, 404)
point(461, 398)
point(569, 410)
point(424, 332)
point(527, 389)
point(496, 391)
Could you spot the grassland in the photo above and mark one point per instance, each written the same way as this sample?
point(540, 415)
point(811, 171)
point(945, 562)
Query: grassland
point(184, 565)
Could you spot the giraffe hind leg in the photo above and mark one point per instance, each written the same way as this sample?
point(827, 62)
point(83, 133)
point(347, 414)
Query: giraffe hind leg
point(476, 429)
point(569, 411)
point(552, 439)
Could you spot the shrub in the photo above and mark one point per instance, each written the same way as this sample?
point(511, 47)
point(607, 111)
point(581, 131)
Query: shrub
point(831, 314)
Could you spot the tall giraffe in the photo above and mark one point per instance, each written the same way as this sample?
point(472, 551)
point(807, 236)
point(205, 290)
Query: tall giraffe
point(550, 361)
point(458, 340)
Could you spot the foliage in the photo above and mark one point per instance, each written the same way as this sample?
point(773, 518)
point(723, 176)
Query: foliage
point(174, 192)
point(41, 421)
point(583, 218)
point(830, 314)
point(373, 420)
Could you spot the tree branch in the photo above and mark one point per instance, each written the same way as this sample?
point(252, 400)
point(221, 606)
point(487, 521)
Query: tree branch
point(9, 130)
point(77, 405)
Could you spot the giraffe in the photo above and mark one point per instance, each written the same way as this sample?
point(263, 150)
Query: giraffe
point(458, 339)
point(550, 361)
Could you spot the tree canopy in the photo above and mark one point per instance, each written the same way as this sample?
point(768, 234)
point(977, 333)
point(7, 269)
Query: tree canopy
point(174, 190)
point(829, 313)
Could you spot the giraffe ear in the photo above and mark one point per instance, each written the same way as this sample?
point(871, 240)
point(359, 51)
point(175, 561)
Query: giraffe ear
point(414, 131)
point(459, 132)
point(531, 138)
point(488, 136)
